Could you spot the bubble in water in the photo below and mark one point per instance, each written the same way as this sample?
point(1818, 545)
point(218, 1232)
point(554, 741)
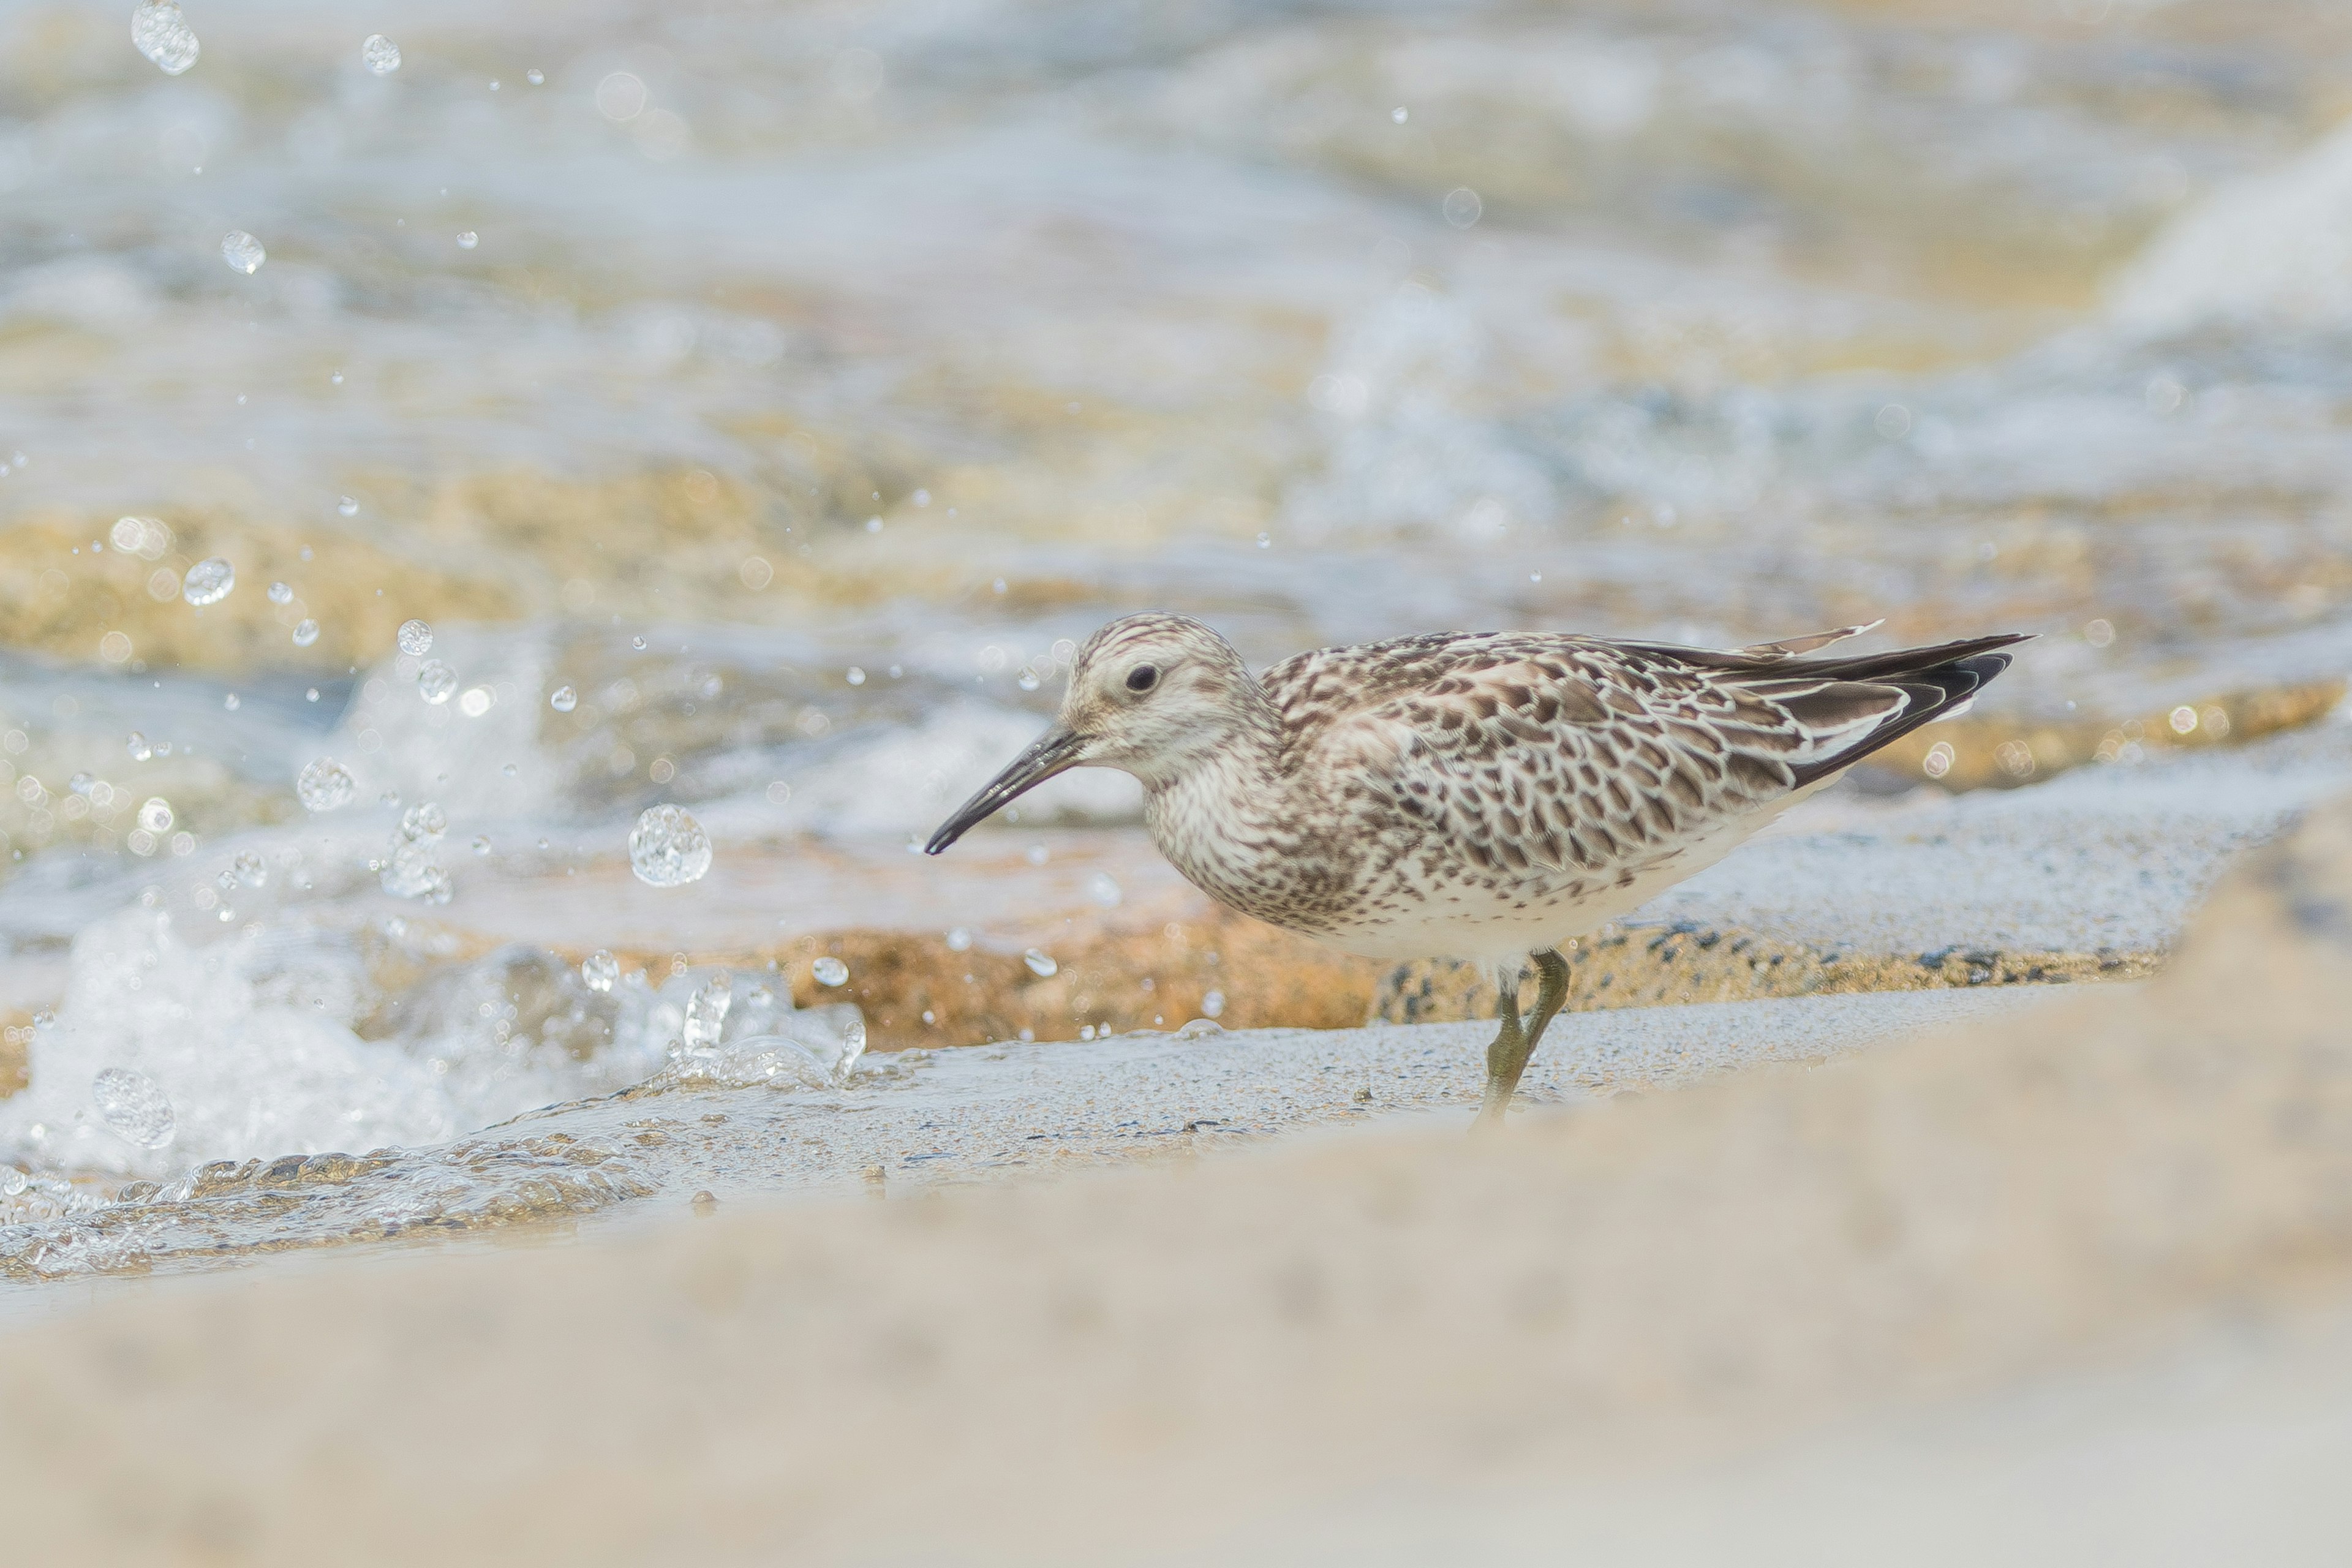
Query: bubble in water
point(857, 677)
point(706, 1014)
point(162, 35)
point(250, 871)
point(600, 969)
point(306, 632)
point(325, 785)
point(43, 1018)
point(13, 1181)
point(467, 239)
point(389, 797)
point(637, 643)
point(667, 848)
point(347, 506)
point(208, 582)
point(281, 594)
point(155, 814)
point(79, 783)
point(959, 940)
point(1213, 1004)
point(242, 252)
point(1199, 1027)
point(534, 75)
point(414, 636)
point(133, 1105)
point(140, 750)
point(564, 699)
point(481, 843)
point(1039, 965)
point(380, 55)
point(1103, 890)
point(436, 681)
point(830, 971)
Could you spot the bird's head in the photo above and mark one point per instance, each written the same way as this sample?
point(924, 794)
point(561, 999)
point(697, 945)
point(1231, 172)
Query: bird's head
point(1149, 694)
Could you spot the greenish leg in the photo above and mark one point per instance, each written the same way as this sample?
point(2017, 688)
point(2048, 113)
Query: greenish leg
point(1507, 1058)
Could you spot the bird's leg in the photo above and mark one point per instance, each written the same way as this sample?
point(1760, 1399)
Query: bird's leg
point(1507, 1058)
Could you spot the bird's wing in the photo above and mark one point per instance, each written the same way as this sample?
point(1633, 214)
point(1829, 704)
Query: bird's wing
point(1789, 646)
point(1571, 755)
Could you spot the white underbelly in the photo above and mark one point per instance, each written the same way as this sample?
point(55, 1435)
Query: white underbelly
point(1504, 925)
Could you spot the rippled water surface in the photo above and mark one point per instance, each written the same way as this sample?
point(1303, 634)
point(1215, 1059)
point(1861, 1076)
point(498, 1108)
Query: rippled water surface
point(754, 405)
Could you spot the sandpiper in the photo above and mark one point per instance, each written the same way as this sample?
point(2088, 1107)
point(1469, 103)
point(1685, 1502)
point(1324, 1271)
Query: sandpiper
point(1483, 795)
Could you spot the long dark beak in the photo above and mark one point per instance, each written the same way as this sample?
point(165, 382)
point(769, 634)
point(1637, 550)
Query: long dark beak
point(1056, 751)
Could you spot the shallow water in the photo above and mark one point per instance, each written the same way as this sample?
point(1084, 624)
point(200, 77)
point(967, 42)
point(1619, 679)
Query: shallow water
point(813, 379)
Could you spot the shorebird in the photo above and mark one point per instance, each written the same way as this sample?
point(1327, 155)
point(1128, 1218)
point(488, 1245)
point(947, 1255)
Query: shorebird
point(1480, 795)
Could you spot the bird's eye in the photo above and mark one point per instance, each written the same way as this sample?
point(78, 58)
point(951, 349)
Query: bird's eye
point(1142, 677)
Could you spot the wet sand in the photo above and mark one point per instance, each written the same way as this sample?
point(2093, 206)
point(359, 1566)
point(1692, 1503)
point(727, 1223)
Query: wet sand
point(1826, 1275)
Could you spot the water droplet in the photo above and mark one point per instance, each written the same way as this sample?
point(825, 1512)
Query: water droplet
point(959, 940)
point(162, 35)
point(467, 239)
point(667, 848)
point(600, 969)
point(1103, 890)
point(637, 643)
point(133, 1105)
point(534, 75)
point(140, 750)
point(347, 506)
point(155, 814)
point(1039, 965)
point(306, 632)
point(414, 636)
point(242, 252)
point(250, 871)
point(380, 55)
point(857, 677)
point(830, 971)
point(1213, 1004)
point(325, 785)
point(1199, 1027)
point(208, 582)
point(1398, 114)
point(564, 699)
point(412, 870)
point(436, 681)
point(706, 1014)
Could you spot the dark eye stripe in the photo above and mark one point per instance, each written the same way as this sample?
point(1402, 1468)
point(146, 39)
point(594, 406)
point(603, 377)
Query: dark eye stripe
point(1142, 677)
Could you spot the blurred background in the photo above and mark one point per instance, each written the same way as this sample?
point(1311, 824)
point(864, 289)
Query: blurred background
point(759, 402)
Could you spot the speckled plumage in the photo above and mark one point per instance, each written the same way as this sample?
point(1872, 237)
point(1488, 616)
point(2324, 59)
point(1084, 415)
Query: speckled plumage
point(1475, 794)
point(1483, 794)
